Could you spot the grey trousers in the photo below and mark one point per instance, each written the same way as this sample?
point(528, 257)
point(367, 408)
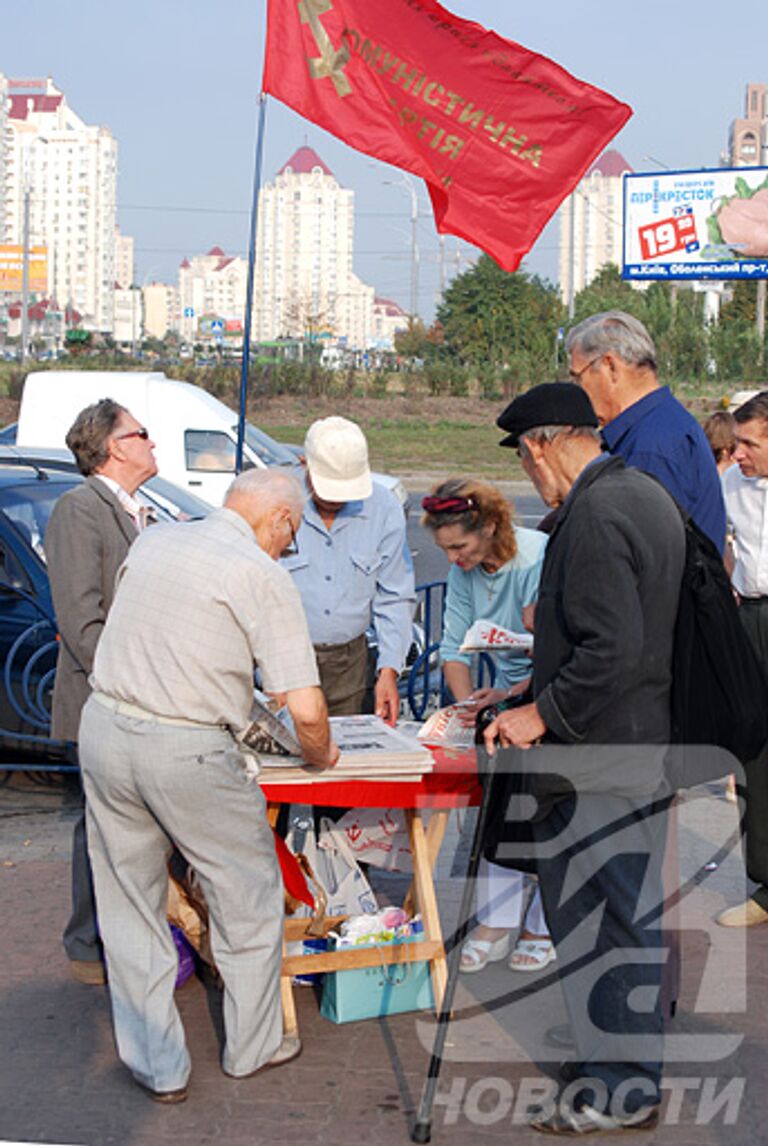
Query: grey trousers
point(149, 786)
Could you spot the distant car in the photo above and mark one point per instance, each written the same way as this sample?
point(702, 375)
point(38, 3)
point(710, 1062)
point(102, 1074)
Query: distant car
point(739, 398)
point(29, 488)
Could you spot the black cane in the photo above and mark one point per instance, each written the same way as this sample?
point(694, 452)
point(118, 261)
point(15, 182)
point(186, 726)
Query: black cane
point(422, 1129)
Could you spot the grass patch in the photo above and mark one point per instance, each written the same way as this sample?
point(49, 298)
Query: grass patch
point(397, 446)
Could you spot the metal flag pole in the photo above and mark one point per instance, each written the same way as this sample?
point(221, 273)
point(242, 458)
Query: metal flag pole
point(421, 1131)
point(249, 286)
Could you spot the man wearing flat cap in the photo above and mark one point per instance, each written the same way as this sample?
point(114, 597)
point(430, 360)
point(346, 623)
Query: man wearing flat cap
point(352, 568)
point(601, 696)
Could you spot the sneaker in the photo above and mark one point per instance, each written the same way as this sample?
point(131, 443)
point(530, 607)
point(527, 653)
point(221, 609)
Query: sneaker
point(289, 1049)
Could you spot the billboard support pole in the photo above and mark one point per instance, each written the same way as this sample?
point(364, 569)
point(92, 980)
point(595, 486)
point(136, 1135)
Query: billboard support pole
point(249, 285)
point(760, 318)
point(25, 281)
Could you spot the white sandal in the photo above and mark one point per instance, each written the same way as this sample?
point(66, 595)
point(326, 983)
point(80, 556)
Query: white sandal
point(541, 952)
point(478, 953)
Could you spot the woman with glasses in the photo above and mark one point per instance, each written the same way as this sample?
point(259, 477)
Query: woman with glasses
point(494, 576)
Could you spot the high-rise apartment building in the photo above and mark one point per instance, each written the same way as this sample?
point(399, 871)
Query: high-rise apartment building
point(69, 169)
point(305, 284)
point(748, 137)
point(591, 224)
point(211, 287)
point(124, 265)
point(3, 149)
point(161, 309)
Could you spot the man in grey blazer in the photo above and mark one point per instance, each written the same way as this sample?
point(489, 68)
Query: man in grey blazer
point(88, 536)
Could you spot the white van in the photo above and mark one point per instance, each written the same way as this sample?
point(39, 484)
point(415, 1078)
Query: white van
point(195, 434)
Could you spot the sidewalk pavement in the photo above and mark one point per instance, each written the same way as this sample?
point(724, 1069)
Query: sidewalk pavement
point(62, 1083)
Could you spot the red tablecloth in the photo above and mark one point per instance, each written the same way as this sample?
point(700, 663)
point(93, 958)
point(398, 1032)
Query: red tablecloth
point(452, 784)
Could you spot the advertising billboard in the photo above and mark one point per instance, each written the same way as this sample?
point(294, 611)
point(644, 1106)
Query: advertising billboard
point(12, 268)
point(696, 224)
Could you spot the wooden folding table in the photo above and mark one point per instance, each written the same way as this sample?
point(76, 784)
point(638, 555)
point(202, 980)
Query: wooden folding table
point(452, 784)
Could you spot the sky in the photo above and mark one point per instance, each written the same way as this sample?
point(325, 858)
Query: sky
point(177, 83)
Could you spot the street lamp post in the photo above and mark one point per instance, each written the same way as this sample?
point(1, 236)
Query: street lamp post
point(407, 183)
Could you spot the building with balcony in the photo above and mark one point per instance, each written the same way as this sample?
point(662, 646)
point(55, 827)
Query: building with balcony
point(591, 224)
point(69, 169)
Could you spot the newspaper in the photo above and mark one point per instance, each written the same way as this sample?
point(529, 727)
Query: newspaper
point(485, 636)
point(270, 731)
point(370, 749)
point(446, 728)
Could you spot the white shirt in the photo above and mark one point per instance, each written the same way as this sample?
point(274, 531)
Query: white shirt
point(131, 506)
point(746, 504)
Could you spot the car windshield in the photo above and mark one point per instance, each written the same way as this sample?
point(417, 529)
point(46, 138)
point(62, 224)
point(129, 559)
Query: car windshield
point(29, 507)
point(270, 452)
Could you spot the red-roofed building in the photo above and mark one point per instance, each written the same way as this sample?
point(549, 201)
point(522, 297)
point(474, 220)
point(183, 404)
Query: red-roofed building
point(72, 169)
point(305, 282)
point(211, 286)
point(591, 224)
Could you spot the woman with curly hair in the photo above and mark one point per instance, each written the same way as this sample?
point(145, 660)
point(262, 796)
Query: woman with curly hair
point(494, 576)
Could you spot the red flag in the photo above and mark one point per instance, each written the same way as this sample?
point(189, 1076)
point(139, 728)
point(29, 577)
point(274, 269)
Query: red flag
point(500, 134)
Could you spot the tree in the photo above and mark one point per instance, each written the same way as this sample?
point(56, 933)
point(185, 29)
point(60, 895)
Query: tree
point(490, 317)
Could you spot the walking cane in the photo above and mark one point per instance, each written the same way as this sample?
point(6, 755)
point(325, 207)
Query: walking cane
point(422, 1129)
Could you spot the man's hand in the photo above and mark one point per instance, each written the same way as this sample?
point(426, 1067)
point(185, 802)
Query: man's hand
point(386, 697)
point(515, 728)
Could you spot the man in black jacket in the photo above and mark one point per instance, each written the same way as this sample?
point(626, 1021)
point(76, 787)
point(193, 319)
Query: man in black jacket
point(601, 686)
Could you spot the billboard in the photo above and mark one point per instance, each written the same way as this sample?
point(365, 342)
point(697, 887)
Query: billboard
point(12, 268)
point(696, 224)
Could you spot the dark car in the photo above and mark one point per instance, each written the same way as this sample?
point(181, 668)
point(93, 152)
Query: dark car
point(29, 489)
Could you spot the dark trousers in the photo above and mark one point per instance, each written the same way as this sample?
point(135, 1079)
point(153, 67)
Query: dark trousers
point(754, 617)
point(343, 675)
point(599, 862)
point(81, 935)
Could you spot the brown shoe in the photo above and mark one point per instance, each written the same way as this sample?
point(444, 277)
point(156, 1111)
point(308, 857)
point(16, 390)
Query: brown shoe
point(93, 974)
point(746, 914)
point(167, 1097)
point(289, 1049)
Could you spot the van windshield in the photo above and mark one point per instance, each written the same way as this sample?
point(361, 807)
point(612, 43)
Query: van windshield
point(270, 452)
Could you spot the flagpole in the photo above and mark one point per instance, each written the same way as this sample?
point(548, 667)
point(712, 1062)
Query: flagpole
point(249, 285)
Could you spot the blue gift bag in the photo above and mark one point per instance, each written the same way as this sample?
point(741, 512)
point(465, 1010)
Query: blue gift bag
point(372, 992)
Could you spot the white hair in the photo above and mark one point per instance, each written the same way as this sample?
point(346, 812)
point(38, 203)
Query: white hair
point(270, 487)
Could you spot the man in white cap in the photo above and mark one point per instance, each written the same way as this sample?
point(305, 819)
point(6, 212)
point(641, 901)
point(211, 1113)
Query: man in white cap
point(352, 569)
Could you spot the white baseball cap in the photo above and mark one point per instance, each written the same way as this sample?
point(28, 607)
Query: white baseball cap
point(337, 460)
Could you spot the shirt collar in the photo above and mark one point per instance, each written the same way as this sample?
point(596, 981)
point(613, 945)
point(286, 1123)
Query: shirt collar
point(349, 510)
point(615, 430)
point(236, 521)
point(128, 502)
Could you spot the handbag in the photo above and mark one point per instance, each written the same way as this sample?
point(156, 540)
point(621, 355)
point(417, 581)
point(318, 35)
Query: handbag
point(373, 992)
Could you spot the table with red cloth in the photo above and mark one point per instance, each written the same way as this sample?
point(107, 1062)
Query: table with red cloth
point(452, 784)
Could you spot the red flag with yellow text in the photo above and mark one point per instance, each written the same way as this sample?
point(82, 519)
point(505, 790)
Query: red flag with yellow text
point(500, 134)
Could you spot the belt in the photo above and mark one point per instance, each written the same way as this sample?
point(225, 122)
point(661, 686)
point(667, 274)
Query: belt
point(752, 600)
point(123, 708)
point(341, 645)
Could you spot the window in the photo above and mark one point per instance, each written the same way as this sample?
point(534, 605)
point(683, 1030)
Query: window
point(210, 451)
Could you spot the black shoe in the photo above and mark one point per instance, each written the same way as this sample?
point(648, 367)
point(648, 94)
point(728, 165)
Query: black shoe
point(560, 1037)
point(590, 1121)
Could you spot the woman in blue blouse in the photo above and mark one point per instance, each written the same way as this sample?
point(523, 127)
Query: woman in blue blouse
point(494, 576)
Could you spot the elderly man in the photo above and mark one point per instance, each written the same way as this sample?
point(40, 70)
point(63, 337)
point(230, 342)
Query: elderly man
point(601, 681)
point(196, 606)
point(613, 358)
point(88, 536)
point(353, 568)
point(746, 500)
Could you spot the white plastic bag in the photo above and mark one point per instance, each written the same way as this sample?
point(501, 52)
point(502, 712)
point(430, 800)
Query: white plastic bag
point(334, 865)
point(377, 836)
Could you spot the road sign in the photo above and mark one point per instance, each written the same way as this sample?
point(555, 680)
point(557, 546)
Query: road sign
point(217, 325)
point(189, 312)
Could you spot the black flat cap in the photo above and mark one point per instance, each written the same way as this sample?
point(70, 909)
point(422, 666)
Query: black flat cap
point(550, 404)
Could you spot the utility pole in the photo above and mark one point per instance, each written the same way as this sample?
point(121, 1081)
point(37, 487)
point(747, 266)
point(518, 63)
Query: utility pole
point(25, 280)
point(760, 318)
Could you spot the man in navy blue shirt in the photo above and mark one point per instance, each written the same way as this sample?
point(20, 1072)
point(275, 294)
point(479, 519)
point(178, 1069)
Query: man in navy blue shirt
point(613, 358)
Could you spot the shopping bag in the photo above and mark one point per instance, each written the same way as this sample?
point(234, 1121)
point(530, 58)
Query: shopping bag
point(334, 865)
point(373, 992)
point(378, 836)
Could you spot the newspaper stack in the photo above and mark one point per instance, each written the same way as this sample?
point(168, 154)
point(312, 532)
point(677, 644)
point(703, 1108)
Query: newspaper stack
point(486, 637)
point(370, 750)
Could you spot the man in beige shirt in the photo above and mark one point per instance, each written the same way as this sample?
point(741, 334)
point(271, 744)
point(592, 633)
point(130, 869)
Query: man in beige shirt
point(196, 607)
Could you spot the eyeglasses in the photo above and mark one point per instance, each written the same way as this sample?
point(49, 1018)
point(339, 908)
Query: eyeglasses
point(142, 433)
point(575, 375)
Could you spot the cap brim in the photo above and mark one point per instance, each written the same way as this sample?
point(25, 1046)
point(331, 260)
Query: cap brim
point(341, 489)
point(511, 440)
